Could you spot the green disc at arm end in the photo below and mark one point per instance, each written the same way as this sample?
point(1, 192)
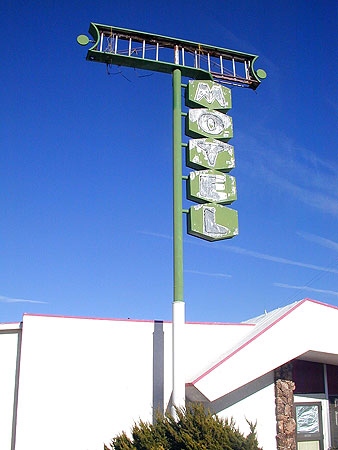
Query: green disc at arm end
point(261, 74)
point(82, 39)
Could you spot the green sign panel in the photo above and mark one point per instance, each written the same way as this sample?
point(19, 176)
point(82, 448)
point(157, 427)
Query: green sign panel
point(211, 186)
point(212, 222)
point(208, 123)
point(208, 95)
point(208, 153)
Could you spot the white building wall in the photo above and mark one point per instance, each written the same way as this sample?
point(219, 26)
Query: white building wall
point(82, 381)
point(254, 402)
point(8, 364)
point(206, 342)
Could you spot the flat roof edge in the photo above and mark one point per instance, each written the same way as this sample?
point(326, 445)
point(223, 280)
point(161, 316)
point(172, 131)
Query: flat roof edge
point(57, 316)
point(10, 326)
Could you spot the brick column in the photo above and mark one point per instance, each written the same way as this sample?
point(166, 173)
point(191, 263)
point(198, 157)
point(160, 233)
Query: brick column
point(286, 423)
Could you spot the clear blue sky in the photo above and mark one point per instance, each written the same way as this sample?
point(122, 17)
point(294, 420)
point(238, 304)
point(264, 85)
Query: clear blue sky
point(86, 163)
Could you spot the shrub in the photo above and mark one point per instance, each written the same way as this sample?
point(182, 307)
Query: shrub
point(193, 429)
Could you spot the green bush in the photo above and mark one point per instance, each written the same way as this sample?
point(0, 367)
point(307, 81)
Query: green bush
point(194, 428)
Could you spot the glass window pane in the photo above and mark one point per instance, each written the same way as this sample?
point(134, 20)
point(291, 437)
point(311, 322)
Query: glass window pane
point(307, 418)
point(308, 445)
point(308, 377)
point(333, 408)
point(332, 379)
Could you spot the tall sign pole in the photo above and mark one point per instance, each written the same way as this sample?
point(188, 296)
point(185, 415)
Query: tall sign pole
point(178, 306)
point(211, 127)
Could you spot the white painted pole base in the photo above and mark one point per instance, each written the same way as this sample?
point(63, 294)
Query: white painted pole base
point(178, 353)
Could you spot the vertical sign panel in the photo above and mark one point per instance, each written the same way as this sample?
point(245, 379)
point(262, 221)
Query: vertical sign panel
point(211, 128)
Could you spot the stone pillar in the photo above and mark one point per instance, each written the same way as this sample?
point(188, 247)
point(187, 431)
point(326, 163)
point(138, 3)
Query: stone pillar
point(286, 423)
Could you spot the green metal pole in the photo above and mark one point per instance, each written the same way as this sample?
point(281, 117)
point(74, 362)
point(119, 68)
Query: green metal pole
point(177, 180)
point(178, 305)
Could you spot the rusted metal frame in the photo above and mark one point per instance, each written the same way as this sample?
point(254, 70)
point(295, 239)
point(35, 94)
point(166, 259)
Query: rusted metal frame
point(234, 80)
point(168, 43)
point(164, 44)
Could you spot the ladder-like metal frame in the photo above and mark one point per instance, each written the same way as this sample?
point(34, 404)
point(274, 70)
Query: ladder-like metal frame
point(123, 47)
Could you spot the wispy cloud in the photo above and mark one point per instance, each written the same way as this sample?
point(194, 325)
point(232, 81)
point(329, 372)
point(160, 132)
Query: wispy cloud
point(310, 195)
point(208, 274)
point(306, 288)
point(17, 300)
point(253, 254)
point(278, 259)
point(299, 172)
point(319, 240)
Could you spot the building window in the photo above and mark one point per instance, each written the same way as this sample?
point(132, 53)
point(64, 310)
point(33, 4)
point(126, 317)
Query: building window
point(332, 382)
point(309, 426)
point(332, 379)
point(308, 377)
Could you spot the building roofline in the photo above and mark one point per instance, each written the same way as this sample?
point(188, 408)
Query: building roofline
point(132, 320)
point(10, 326)
point(245, 344)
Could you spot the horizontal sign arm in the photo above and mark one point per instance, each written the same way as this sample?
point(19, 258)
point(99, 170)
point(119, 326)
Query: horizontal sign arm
point(124, 47)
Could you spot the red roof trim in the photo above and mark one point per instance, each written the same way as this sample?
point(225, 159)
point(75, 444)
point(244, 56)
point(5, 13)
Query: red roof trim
point(248, 342)
point(134, 320)
point(320, 303)
point(221, 323)
point(259, 334)
point(95, 318)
